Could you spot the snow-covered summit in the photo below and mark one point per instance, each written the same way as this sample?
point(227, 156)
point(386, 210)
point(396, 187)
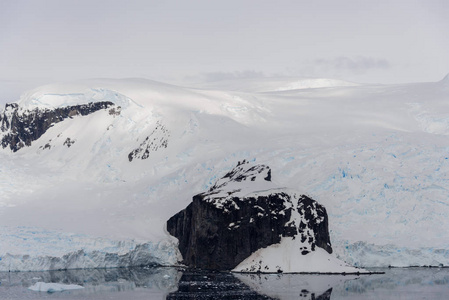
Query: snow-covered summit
point(94, 90)
point(245, 178)
point(63, 95)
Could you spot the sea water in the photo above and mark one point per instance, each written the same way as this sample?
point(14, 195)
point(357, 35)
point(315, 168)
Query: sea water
point(175, 283)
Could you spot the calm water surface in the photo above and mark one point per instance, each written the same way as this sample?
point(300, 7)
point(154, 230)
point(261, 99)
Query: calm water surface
point(172, 283)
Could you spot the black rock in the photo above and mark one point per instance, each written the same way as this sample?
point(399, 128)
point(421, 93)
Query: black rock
point(158, 139)
point(243, 212)
point(21, 127)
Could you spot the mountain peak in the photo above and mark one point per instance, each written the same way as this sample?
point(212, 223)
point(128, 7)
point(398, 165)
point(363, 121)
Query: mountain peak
point(244, 172)
point(244, 179)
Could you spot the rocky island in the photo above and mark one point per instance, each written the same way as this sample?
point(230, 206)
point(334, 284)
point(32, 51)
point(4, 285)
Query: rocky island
point(246, 223)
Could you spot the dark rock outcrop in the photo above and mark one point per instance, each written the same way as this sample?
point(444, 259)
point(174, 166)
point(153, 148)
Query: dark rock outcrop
point(19, 127)
point(158, 139)
point(242, 213)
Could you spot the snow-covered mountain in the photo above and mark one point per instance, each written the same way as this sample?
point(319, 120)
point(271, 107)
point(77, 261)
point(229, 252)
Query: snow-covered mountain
point(106, 181)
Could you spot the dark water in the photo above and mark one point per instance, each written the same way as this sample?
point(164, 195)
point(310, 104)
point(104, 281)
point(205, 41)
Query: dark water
point(171, 283)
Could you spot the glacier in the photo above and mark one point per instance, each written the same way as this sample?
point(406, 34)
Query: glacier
point(35, 249)
point(376, 156)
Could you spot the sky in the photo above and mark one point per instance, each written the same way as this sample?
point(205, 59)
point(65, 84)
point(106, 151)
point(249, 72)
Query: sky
point(394, 41)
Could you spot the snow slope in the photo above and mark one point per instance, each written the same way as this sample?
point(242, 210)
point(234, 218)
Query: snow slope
point(375, 156)
point(285, 257)
point(272, 84)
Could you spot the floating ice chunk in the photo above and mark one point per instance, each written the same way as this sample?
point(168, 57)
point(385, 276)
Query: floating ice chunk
point(53, 287)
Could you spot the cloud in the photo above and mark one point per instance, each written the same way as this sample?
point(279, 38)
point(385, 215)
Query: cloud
point(359, 64)
point(10, 90)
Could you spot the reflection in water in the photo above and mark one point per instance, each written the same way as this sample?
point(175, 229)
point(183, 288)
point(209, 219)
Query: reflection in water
point(294, 286)
point(203, 285)
point(96, 282)
point(212, 285)
point(172, 283)
point(407, 283)
point(163, 278)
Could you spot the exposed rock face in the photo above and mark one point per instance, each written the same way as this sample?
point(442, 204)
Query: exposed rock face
point(158, 139)
point(243, 212)
point(19, 127)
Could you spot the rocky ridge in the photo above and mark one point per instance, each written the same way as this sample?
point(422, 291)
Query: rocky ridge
point(20, 127)
point(158, 139)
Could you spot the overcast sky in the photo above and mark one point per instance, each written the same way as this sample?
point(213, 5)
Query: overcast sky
point(363, 41)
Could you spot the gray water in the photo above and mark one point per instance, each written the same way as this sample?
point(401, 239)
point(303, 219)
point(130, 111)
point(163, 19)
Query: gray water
point(172, 283)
